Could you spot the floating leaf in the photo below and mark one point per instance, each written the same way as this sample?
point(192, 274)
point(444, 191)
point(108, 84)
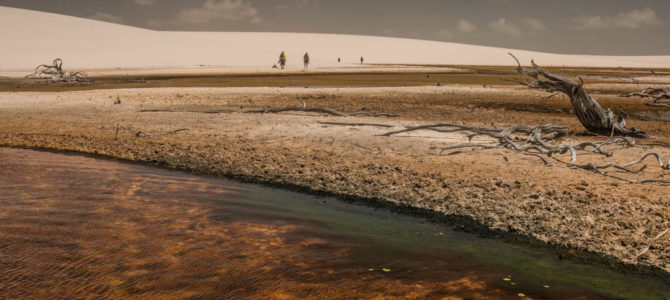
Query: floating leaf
point(545, 286)
point(371, 269)
point(512, 283)
point(507, 279)
point(522, 295)
point(386, 269)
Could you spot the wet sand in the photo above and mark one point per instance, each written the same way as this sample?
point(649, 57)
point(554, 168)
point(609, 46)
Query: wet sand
point(581, 214)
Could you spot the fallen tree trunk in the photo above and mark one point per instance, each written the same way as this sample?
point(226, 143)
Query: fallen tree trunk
point(56, 72)
point(594, 118)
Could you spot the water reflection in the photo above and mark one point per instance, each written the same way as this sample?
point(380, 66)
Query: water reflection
point(76, 227)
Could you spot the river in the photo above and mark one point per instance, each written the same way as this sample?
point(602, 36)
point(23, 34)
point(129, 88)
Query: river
point(80, 227)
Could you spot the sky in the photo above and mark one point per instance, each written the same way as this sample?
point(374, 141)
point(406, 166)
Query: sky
point(606, 27)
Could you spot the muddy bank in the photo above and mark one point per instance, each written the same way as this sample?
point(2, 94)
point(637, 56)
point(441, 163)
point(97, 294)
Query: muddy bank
point(506, 192)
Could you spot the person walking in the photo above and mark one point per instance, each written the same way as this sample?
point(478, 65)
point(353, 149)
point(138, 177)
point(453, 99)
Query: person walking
point(282, 59)
point(305, 60)
point(361, 60)
point(338, 60)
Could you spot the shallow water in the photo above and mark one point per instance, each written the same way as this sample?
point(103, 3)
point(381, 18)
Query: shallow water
point(79, 227)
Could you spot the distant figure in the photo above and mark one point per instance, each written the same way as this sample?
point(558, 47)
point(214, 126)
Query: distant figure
point(282, 59)
point(361, 60)
point(338, 60)
point(305, 60)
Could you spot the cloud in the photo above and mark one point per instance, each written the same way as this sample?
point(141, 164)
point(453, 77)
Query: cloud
point(633, 19)
point(534, 25)
point(211, 10)
point(106, 17)
point(465, 26)
point(506, 27)
point(517, 29)
point(145, 2)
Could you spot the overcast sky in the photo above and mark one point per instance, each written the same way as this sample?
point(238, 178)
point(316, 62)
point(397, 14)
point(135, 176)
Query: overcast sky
point(617, 27)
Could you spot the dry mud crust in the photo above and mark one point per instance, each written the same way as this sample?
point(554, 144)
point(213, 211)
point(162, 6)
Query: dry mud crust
point(501, 190)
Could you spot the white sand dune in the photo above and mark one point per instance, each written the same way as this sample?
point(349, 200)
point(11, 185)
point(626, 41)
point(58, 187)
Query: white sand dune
point(30, 38)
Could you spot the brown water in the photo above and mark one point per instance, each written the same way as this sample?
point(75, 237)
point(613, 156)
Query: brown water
point(77, 227)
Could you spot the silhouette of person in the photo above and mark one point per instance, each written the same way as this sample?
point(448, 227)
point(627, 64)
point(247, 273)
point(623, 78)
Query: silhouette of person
point(305, 60)
point(282, 59)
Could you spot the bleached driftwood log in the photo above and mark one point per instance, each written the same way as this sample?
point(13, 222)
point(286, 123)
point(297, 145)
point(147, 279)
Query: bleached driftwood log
point(589, 112)
point(56, 72)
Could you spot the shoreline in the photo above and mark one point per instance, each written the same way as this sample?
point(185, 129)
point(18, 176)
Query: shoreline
point(500, 194)
point(458, 223)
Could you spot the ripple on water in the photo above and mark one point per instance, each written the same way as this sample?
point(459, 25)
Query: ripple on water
point(77, 227)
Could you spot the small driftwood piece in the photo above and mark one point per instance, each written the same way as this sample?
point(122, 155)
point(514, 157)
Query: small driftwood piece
point(140, 133)
point(304, 108)
point(657, 94)
point(144, 133)
point(296, 108)
point(651, 242)
point(356, 124)
point(214, 111)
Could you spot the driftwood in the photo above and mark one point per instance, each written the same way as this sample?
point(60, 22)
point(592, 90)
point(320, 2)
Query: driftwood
point(56, 72)
point(215, 111)
point(356, 124)
point(140, 133)
point(296, 108)
point(144, 133)
point(594, 118)
point(652, 241)
point(521, 70)
point(536, 141)
point(657, 94)
point(363, 113)
point(304, 108)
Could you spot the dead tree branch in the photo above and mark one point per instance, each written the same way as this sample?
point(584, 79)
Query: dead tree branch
point(295, 108)
point(304, 108)
point(144, 133)
point(536, 141)
point(594, 118)
point(528, 72)
point(356, 124)
point(215, 111)
point(140, 133)
point(651, 242)
point(657, 94)
point(56, 72)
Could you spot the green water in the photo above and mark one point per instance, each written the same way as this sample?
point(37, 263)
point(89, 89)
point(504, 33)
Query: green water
point(106, 222)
